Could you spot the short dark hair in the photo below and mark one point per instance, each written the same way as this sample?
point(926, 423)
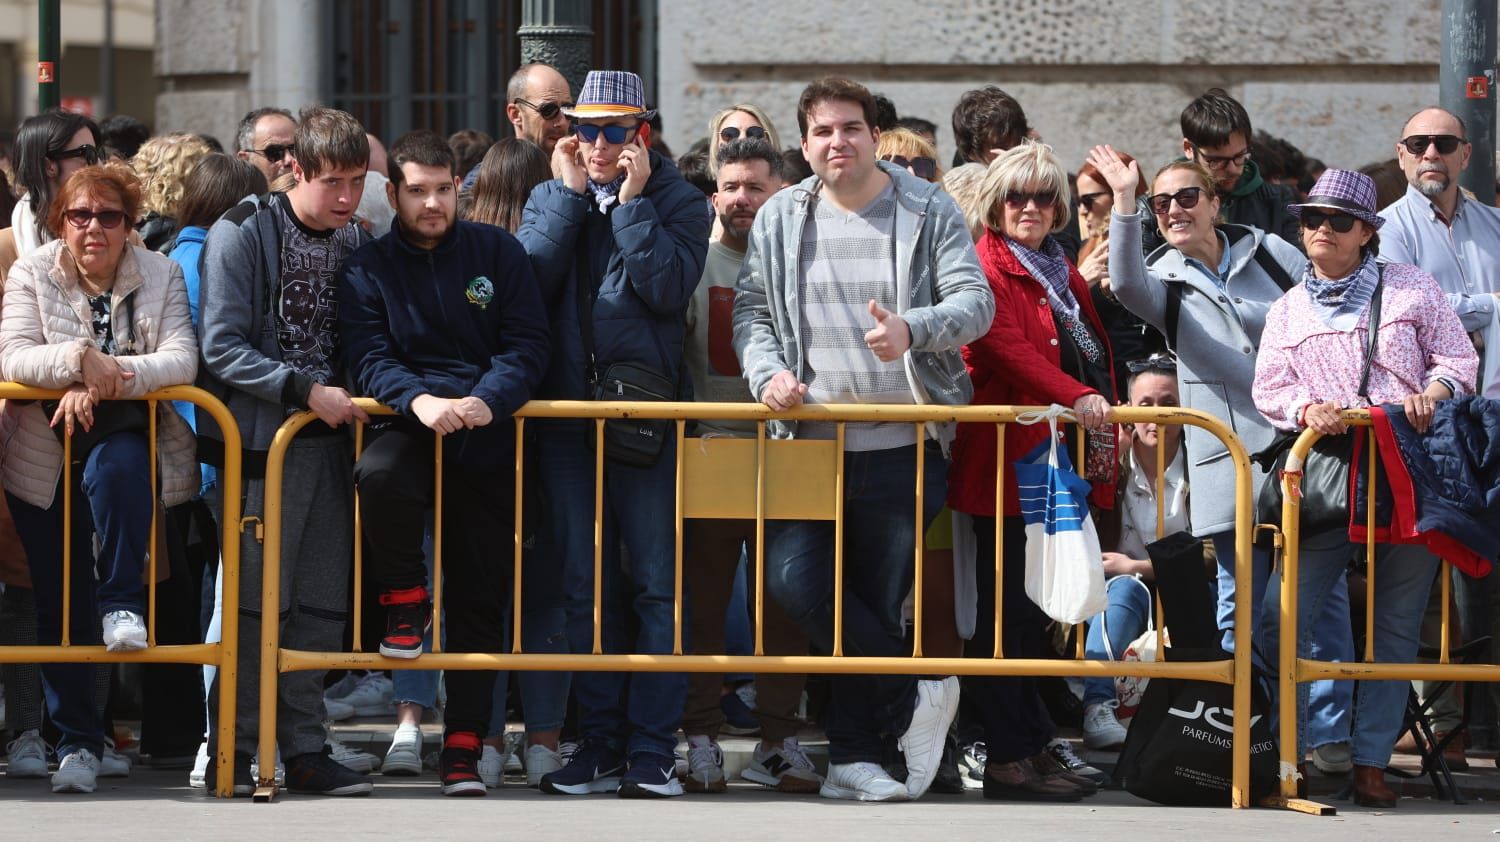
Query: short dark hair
point(987, 118)
point(794, 166)
point(123, 135)
point(1210, 120)
point(424, 147)
point(885, 113)
point(469, 146)
point(1268, 157)
point(330, 139)
point(836, 87)
point(214, 185)
point(244, 136)
point(742, 150)
point(918, 125)
point(694, 169)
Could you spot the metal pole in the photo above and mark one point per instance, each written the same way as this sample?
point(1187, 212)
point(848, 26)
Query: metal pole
point(48, 54)
point(558, 33)
point(1467, 85)
point(107, 62)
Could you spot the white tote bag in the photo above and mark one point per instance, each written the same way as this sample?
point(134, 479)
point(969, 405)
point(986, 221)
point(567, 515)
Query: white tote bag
point(1064, 568)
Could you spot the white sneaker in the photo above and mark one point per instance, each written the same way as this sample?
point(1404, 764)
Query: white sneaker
point(862, 782)
point(27, 756)
point(540, 761)
point(404, 758)
point(279, 774)
point(113, 764)
point(78, 772)
point(492, 766)
point(788, 768)
point(937, 704)
point(198, 778)
point(124, 631)
point(705, 765)
point(373, 696)
point(343, 687)
point(337, 710)
point(349, 757)
point(514, 741)
point(1101, 730)
point(1333, 758)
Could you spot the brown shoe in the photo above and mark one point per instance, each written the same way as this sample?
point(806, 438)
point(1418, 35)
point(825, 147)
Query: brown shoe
point(1019, 781)
point(1370, 789)
point(1454, 751)
point(1047, 766)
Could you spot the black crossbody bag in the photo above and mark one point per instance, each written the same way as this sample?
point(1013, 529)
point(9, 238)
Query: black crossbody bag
point(635, 442)
point(110, 417)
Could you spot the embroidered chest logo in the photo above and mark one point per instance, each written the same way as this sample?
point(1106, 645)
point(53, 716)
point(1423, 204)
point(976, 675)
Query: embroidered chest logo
point(480, 292)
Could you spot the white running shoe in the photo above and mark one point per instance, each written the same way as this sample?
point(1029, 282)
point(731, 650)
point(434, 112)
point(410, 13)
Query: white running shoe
point(78, 772)
point(373, 696)
point(198, 778)
point(937, 704)
point(492, 766)
point(787, 769)
point(1101, 730)
point(113, 764)
point(540, 761)
point(404, 759)
point(705, 765)
point(124, 631)
point(349, 757)
point(862, 782)
point(27, 756)
point(515, 742)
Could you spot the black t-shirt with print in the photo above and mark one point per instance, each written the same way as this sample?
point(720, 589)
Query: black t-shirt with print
point(306, 305)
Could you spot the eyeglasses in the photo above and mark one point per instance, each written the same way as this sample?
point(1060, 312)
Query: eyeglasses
point(1088, 199)
point(1312, 220)
point(88, 152)
point(616, 135)
point(729, 133)
point(920, 167)
point(1017, 199)
point(275, 152)
point(1219, 162)
point(547, 110)
point(1417, 144)
point(81, 217)
point(1186, 198)
point(1152, 364)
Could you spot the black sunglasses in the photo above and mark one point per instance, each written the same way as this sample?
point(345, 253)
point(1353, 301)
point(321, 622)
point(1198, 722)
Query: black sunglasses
point(88, 152)
point(1312, 220)
point(1417, 144)
point(1152, 364)
point(81, 217)
point(1088, 199)
point(275, 152)
point(1018, 199)
point(616, 135)
point(547, 110)
point(923, 167)
point(1186, 198)
point(729, 133)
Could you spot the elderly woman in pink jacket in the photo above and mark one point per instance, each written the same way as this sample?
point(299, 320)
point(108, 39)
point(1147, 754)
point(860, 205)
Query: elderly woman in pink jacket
point(1310, 367)
point(92, 315)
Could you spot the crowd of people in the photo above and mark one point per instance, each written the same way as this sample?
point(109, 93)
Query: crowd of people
point(455, 279)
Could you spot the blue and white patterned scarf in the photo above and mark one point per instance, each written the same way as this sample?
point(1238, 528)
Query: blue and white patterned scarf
point(606, 194)
point(1339, 303)
point(1048, 265)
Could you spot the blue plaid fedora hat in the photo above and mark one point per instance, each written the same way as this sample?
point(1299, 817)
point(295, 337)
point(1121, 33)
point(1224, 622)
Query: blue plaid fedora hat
point(1342, 190)
point(611, 93)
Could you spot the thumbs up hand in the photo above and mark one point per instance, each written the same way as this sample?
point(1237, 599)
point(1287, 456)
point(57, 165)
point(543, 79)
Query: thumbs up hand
point(890, 337)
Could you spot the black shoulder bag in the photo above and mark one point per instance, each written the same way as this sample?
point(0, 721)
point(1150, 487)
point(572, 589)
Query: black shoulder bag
point(1325, 473)
point(629, 441)
point(1263, 258)
point(110, 417)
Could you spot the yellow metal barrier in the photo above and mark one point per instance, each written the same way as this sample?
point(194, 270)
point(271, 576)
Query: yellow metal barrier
point(758, 479)
point(221, 655)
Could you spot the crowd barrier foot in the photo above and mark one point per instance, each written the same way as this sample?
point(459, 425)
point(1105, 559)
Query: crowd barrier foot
point(264, 794)
point(1300, 805)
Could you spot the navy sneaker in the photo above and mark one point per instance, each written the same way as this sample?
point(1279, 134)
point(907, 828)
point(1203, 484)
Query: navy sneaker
point(594, 767)
point(651, 776)
point(458, 764)
point(315, 773)
point(738, 718)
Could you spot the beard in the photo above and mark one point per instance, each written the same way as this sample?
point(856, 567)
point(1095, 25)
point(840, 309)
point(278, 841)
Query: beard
point(726, 220)
point(1427, 187)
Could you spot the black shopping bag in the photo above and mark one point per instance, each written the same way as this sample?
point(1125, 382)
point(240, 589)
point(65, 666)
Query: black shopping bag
point(1179, 750)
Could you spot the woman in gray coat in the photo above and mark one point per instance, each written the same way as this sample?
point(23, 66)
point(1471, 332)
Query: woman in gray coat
point(1223, 279)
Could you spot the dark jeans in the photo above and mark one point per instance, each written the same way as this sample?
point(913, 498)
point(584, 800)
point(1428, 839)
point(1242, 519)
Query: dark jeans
point(394, 476)
point(172, 712)
point(880, 543)
point(1009, 709)
point(111, 498)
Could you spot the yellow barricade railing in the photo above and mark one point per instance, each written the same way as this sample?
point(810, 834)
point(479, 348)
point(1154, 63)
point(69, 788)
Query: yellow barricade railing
point(1295, 670)
point(761, 479)
point(221, 655)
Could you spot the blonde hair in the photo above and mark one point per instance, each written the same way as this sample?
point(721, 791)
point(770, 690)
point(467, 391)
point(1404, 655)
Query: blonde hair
point(162, 163)
point(1200, 173)
point(717, 122)
point(907, 144)
point(963, 183)
point(1028, 166)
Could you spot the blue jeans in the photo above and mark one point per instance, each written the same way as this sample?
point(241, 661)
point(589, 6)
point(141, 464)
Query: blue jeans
point(1330, 708)
point(637, 712)
point(111, 499)
point(1403, 577)
point(879, 545)
point(1260, 571)
point(1127, 615)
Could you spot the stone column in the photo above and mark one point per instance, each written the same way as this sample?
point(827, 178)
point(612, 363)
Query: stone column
point(558, 33)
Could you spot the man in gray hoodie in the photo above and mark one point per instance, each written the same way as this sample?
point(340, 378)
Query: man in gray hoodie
point(860, 286)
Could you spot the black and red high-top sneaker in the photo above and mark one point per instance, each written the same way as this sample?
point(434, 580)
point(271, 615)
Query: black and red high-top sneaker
point(408, 614)
point(458, 765)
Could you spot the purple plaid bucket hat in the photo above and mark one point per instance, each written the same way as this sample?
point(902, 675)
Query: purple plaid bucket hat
point(1342, 190)
point(611, 93)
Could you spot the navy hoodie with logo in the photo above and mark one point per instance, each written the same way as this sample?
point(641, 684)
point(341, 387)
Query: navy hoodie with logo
point(463, 318)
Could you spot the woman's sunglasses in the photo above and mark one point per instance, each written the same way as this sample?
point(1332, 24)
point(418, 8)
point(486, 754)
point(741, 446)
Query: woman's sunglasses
point(1186, 198)
point(88, 152)
point(920, 167)
point(616, 135)
point(1152, 364)
point(729, 133)
point(1018, 199)
point(1088, 199)
point(80, 218)
point(1312, 220)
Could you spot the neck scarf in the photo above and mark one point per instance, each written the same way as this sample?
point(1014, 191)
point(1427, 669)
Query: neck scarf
point(1339, 303)
point(1048, 265)
point(606, 194)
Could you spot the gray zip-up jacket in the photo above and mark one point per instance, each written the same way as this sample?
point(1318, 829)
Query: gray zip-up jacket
point(941, 293)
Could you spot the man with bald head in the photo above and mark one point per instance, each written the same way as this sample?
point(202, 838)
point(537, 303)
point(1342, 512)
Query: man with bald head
point(534, 99)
